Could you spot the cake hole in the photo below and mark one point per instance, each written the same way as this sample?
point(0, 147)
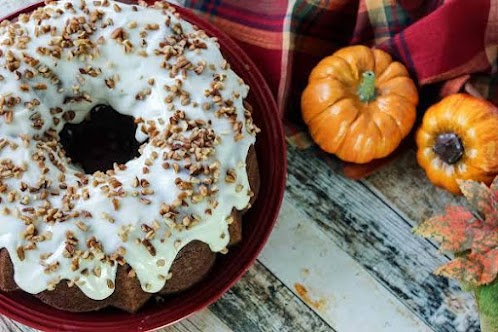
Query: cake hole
point(105, 137)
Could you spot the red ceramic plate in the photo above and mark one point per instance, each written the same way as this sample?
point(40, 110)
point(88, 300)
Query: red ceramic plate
point(258, 223)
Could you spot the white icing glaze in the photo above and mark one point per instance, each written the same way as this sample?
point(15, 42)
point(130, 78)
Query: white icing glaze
point(34, 271)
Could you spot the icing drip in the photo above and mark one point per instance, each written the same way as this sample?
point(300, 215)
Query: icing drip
point(60, 224)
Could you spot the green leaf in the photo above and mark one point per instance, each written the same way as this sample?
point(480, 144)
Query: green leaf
point(487, 299)
point(487, 302)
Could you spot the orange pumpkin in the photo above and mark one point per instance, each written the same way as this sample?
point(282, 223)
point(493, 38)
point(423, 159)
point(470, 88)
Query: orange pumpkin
point(359, 104)
point(458, 140)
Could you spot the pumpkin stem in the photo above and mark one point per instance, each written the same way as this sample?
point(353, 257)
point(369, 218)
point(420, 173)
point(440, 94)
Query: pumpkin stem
point(366, 90)
point(448, 147)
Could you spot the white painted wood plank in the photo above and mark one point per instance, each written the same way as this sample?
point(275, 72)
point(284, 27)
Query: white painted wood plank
point(261, 302)
point(8, 325)
point(338, 288)
point(203, 321)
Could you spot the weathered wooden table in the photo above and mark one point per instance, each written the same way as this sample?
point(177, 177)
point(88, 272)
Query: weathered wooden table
point(341, 258)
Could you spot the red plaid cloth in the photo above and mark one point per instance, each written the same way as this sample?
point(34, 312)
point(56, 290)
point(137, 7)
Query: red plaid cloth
point(450, 41)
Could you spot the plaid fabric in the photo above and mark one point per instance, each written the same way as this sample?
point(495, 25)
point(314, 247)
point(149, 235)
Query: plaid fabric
point(451, 43)
point(437, 40)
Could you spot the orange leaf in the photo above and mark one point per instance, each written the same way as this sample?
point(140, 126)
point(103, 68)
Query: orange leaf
point(461, 269)
point(453, 229)
point(473, 236)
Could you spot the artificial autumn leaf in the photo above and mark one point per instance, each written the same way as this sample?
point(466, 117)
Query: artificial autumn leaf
point(476, 269)
point(482, 198)
point(471, 236)
point(453, 229)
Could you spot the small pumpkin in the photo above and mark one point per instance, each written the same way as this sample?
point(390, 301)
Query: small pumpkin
point(359, 104)
point(458, 140)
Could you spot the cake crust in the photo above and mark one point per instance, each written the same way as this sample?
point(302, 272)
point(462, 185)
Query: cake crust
point(82, 239)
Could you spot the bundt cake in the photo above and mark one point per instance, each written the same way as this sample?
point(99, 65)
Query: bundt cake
point(126, 154)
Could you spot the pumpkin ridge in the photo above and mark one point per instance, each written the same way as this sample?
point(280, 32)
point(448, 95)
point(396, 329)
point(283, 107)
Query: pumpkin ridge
point(489, 166)
point(396, 125)
point(392, 66)
point(343, 139)
point(381, 134)
point(392, 117)
point(354, 71)
point(325, 109)
point(391, 93)
point(385, 81)
point(331, 77)
point(344, 75)
point(340, 143)
point(397, 95)
point(378, 75)
point(341, 146)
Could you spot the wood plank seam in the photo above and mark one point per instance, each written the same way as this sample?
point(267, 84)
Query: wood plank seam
point(389, 204)
point(261, 302)
point(382, 281)
point(329, 280)
point(297, 297)
point(327, 196)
